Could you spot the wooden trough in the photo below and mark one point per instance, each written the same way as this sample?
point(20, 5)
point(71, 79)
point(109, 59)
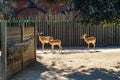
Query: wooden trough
point(21, 47)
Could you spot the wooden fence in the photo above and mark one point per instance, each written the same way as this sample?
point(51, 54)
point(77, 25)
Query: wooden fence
point(64, 27)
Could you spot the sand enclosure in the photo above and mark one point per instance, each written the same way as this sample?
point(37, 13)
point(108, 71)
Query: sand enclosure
point(74, 64)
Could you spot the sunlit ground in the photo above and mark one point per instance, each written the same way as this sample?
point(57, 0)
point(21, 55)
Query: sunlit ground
point(74, 63)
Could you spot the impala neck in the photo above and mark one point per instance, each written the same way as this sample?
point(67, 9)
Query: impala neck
point(85, 40)
point(40, 35)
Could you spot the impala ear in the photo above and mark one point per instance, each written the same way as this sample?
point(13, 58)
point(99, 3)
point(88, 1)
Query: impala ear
point(41, 33)
point(85, 34)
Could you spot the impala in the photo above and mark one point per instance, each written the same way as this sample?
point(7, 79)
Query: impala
point(55, 42)
point(89, 40)
point(44, 39)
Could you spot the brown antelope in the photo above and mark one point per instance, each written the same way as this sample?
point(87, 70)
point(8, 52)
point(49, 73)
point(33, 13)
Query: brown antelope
point(89, 40)
point(55, 42)
point(44, 39)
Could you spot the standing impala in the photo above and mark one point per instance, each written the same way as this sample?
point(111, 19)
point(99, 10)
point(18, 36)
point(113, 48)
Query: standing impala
point(89, 40)
point(55, 42)
point(44, 39)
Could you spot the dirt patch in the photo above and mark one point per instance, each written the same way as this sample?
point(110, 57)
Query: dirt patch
point(74, 64)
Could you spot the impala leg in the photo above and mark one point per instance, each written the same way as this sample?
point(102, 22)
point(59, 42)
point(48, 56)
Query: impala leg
point(60, 48)
point(42, 47)
point(88, 47)
point(52, 47)
point(94, 47)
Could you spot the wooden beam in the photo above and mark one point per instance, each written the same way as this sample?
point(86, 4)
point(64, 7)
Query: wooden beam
point(22, 39)
point(35, 36)
point(22, 31)
point(4, 49)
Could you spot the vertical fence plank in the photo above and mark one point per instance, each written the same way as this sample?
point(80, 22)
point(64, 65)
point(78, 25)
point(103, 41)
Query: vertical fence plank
point(4, 49)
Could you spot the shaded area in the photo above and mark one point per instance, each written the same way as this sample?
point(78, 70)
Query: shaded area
point(31, 72)
point(0, 66)
point(37, 71)
point(118, 66)
point(95, 74)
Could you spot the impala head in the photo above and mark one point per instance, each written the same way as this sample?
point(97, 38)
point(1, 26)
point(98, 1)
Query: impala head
point(41, 33)
point(83, 36)
point(51, 38)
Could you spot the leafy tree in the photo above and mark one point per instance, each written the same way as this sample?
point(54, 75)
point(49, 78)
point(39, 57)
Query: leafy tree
point(64, 2)
point(98, 11)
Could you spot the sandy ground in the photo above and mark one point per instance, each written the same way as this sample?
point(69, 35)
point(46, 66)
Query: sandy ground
point(74, 64)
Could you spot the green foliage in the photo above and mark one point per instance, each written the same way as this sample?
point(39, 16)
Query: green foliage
point(98, 11)
point(64, 2)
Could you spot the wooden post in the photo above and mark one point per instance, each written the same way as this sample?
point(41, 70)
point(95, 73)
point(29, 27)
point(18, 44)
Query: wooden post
point(22, 39)
point(35, 38)
point(22, 31)
point(4, 49)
